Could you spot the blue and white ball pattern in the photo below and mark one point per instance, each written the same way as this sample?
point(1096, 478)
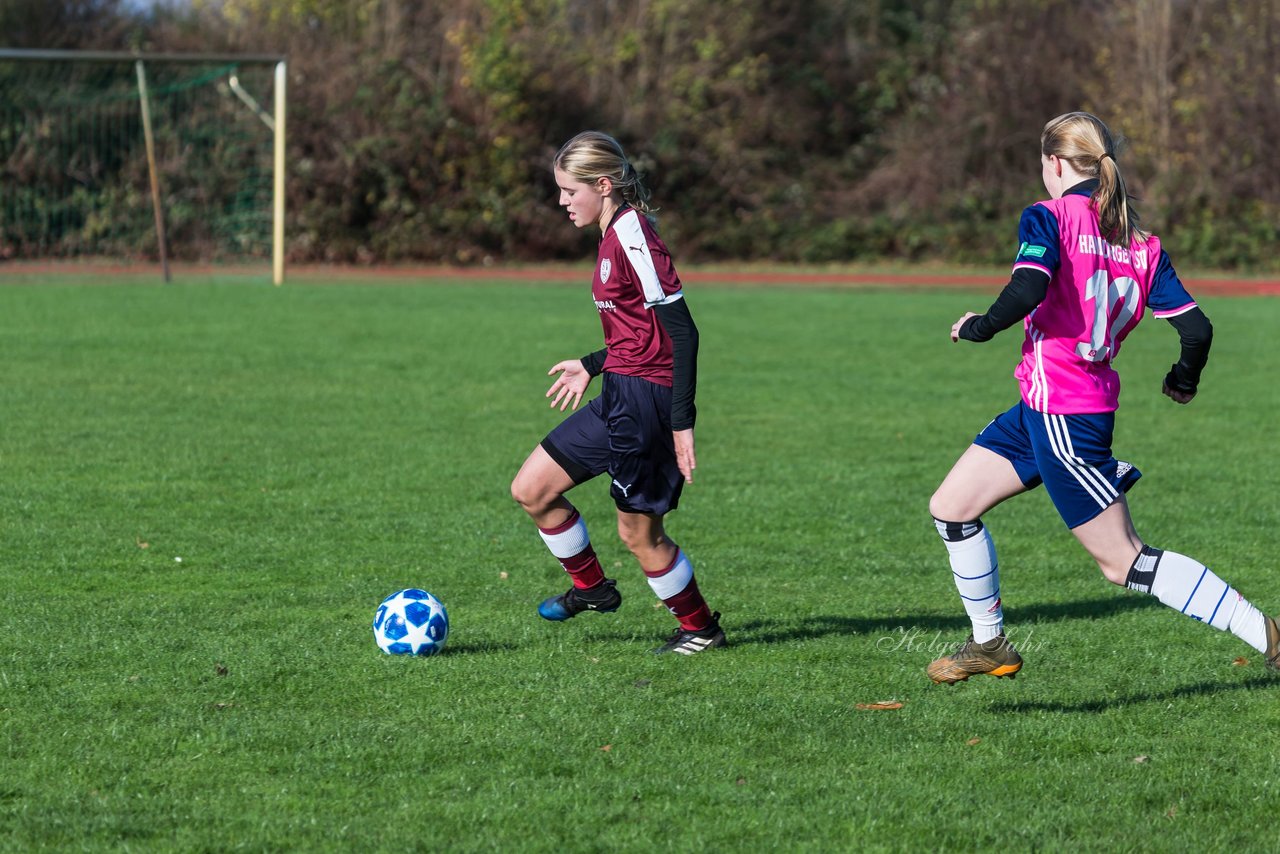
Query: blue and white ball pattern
point(411, 622)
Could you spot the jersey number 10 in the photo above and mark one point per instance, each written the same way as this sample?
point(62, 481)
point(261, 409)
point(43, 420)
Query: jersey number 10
point(1109, 296)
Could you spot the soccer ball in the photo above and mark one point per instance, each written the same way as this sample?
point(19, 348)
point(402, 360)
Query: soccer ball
point(411, 622)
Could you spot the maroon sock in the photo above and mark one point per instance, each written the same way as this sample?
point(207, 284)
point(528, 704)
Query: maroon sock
point(584, 568)
point(687, 603)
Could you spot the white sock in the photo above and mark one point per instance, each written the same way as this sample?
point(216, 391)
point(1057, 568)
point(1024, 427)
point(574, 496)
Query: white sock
point(567, 539)
point(672, 580)
point(976, 574)
point(1190, 587)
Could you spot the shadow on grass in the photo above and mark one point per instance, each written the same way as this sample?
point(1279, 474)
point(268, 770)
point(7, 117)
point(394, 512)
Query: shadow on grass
point(775, 631)
point(1200, 689)
point(475, 647)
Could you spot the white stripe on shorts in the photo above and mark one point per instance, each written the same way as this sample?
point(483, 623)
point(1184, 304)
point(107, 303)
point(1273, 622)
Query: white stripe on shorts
point(1093, 481)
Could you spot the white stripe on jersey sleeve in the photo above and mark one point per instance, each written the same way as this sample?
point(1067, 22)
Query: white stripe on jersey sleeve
point(1165, 315)
point(631, 235)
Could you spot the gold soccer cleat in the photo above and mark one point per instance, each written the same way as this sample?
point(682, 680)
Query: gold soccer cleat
point(995, 657)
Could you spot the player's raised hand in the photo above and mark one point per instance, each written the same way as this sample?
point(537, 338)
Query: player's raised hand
point(685, 457)
point(570, 385)
point(955, 327)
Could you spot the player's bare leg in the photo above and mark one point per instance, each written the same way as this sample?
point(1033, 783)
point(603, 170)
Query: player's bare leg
point(539, 488)
point(1110, 539)
point(1181, 582)
point(978, 481)
point(670, 575)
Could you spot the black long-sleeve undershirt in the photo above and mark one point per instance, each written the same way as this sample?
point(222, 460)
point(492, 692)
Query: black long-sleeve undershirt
point(1196, 334)
point(594, 362)
point(1027, 289)
point(683, 332)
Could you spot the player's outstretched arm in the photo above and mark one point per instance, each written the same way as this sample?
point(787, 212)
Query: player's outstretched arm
point(1026, 290)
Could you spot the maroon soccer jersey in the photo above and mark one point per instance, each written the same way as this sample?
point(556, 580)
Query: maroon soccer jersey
point(634, 273)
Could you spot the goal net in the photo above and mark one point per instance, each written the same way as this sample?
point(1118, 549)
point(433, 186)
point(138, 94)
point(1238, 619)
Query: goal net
point(76, 177)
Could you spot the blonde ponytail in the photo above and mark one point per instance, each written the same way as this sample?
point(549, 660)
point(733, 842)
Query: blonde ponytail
point(1084, 141)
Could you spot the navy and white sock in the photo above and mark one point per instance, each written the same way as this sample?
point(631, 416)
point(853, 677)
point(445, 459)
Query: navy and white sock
point(1191, 588)
point(976, 574)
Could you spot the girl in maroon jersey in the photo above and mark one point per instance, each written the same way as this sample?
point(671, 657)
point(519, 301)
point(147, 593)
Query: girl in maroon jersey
point(640, 428)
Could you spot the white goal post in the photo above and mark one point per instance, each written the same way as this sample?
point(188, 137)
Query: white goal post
point(113, 127)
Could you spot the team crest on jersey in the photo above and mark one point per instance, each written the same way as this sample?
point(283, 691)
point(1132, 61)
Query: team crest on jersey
point(605, 266)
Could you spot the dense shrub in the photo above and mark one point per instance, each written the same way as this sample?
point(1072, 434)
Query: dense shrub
point(830, 130)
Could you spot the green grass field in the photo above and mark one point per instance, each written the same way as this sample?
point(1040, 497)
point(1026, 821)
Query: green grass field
point(208, 487)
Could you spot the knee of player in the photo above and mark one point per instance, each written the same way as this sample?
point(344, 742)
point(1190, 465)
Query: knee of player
point(526, 492)
point(1115, 570)
point(639, 538)
point(940, 508)
point(1115, 556)
point(631, 537)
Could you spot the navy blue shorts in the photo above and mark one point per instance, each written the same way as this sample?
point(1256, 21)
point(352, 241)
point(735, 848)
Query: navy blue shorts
point(1069, 454)
point(625, 431)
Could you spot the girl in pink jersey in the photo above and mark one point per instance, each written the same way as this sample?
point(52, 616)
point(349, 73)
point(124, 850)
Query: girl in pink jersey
point(640, 428)
point(1084, 274)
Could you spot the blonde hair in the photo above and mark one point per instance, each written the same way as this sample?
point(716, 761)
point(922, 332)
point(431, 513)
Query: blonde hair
point(592, 155)
point(1084, 141)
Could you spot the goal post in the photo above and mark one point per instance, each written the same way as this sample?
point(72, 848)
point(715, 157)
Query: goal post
point(133, 156)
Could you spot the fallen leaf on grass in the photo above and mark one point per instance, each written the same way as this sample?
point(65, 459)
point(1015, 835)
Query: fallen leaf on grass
point(503, 575)
point(1141, 759)
point(606, 748)
point(882, 706)
point(142, 544)
point(971, 742)
point(1241, 661)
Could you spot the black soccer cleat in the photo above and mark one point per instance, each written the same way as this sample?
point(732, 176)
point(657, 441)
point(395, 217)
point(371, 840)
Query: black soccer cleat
point(687, 642)
point(604, 597)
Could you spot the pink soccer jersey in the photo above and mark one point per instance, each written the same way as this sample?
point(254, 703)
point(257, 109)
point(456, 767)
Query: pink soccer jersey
point(1096, 295)
point(634, 272)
